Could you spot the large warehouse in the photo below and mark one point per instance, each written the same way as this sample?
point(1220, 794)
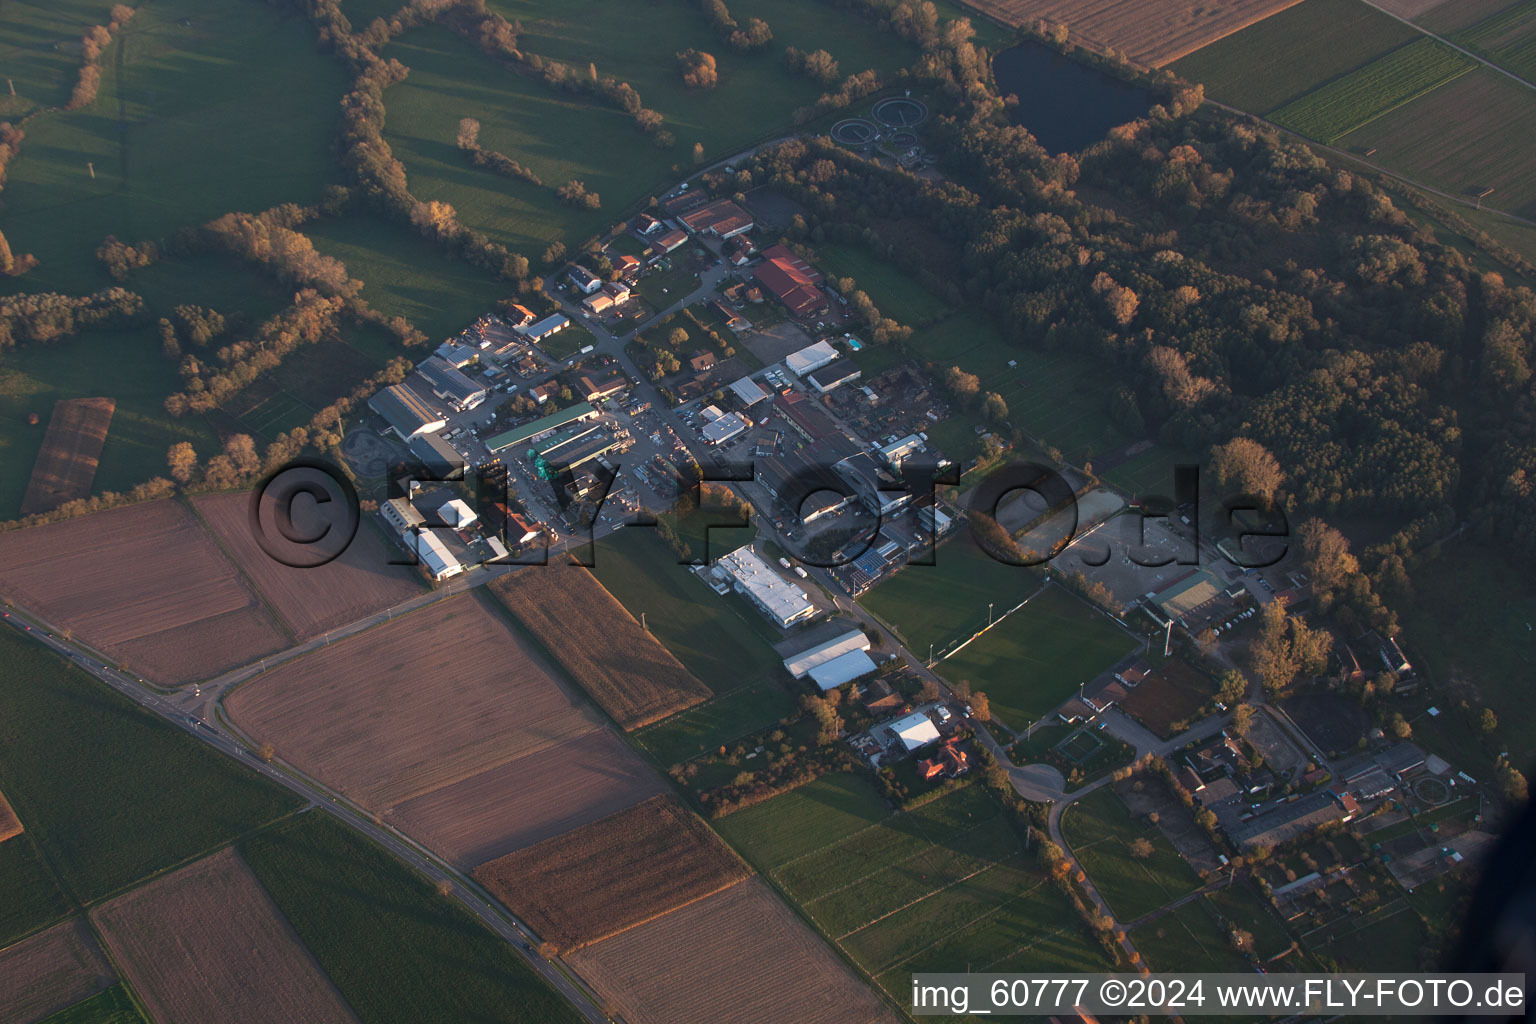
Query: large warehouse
point(801, 664)
point(775, 597)
point(810, 358)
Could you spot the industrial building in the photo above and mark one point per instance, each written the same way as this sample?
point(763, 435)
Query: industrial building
point(880, 492)
point(810, 358)
point(792, 281)
point(577, 413)
point(834, 375)
point(721, 218)
point(900, 450)
point(801, 664)
point(724, 427)
point(844, 668)
point(748, 392)
point(450, 385)
point(551, 324)
point(774, 596)
point(438, 457)
point(430, 552)
point(409, 415)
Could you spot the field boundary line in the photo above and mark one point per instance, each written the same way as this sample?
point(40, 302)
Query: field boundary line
point(912, 903)
point(988, 912)
point(266, 603)
point(929, 844)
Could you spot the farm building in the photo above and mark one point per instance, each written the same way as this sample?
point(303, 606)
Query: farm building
point(551, 324)
point(1289, 820)
point(450, 385)
point(844, 668)
point(577, 413)
point(792, 281)
point(645, 224)
point(748, 392)
point(802, 663)
point(407, 413)
point(915, 731)
point(812, 357)
point(719, 219)
point(585, 281)
point(774, 596)
point(439, 458)
point(665, 243)
point(834, 375)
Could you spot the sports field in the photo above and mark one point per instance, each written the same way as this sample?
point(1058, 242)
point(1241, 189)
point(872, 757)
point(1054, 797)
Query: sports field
point(933, 889)
point(1345, 104)
point(1289, 53)
point(1035, 659)
point(1100, 831)
point(945, 602)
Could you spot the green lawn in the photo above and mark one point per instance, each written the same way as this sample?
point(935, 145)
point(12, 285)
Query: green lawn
point(1341, 106)
point(109, 793)
point(1389, 941)
point(717, 722)
point(405, 275)
point(181, 73)
point(897, 295)
point(396, 950)
point(29, 896)
point(1036, 657)
point(712, 636)
point(806, 819)
point(1100, 830)
point(1293, 51)
point(947, 601)
point(125, 365)
point(110, 1006)
point(40, 51)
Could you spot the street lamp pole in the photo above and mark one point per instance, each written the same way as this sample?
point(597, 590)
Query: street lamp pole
point(989, 614)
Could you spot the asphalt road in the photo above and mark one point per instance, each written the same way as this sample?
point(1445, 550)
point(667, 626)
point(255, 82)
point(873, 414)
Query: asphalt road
point(171, 709)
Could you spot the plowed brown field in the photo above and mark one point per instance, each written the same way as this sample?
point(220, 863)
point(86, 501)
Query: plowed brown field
point(312, 600)
point(739, 955)
point(49, 971)
point(145, 584)
point(528, 799)
point(66, 464)
point(597, 881)
point(1152, 32)
point(10, 825)
point(630, 675)
point(207, 943)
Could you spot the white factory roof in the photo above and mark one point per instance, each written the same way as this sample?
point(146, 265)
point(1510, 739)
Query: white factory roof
point(434, 554)
point(813, 357)
point(748, 391)
point(800, 664)
point(777, 596)
point(457, 514)
point(844, 668)
point(723, 428)
point(916, 730)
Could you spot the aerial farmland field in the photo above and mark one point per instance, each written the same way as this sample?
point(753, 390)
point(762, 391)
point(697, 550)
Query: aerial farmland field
point(369, 715)
point(109, 1006)
point(621, 666)
point(66, 465)
point(103, 830)
point(1508, 39)
point(1456, 138)
point(50, 971)
point(1100, 829)
point(1450, 16)
point(596, 881)
point(1288, 53)
point(1153, 33)
point(146, 585)
point(1345, 104)
point(10, 825)
point(741, 948)
point(310, 601)
point(207, 943)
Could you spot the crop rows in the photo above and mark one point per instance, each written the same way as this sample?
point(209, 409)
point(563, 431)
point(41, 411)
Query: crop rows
point(1334, 110)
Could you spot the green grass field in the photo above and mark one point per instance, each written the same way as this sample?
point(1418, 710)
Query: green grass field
point(1508, 39)
point(941, 603)
point(396, 950)
point(939, 887)
point(109, 793)
point(712, 636)
point(40, 51)
point(110, 1006)
point(405, 275)
point(897, 295)
point(1100, 831)
point(126, 365)
point(716, 722)
point(1036, 657)
point(29, 896)
point(182, 71)
point(1295, 50)
point(1345, 104)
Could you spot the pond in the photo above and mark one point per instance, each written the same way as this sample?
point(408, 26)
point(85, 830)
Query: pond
point(1065, 104)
